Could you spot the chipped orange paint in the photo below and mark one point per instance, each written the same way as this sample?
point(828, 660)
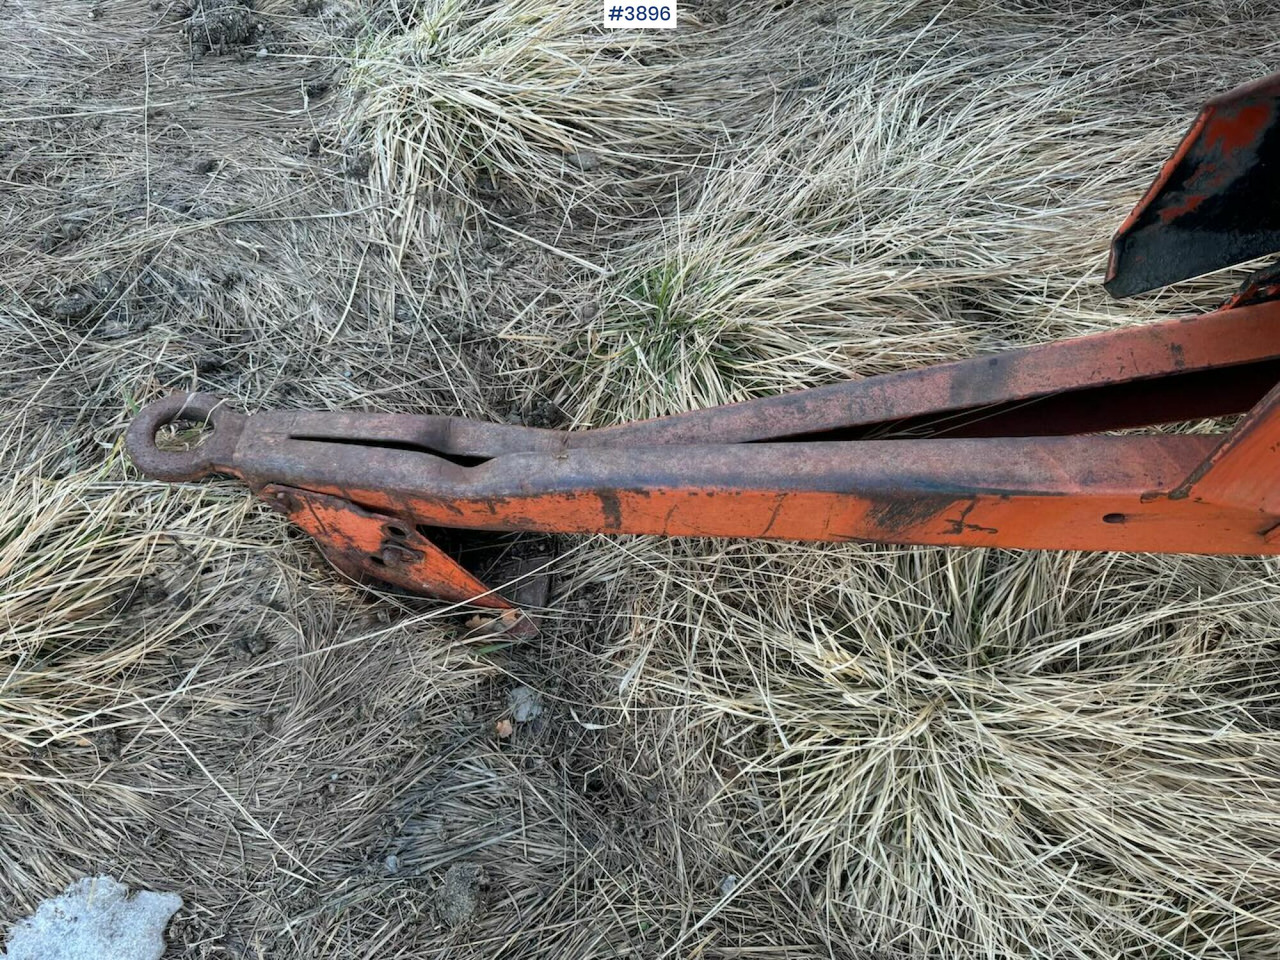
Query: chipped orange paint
point(1225, 132)
point(362, 543)
point(1246, 467)
point(1224, 122)
point(1211, 205)
point(1103, 493)
point(1239, 128)
point(1149, 353)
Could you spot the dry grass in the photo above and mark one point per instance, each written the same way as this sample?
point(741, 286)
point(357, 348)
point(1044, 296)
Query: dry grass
point(517, 97)
point(930, 190)
point(985, 753)
point(491, 208)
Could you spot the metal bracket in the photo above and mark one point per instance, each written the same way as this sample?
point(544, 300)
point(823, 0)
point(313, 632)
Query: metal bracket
point(365, 544)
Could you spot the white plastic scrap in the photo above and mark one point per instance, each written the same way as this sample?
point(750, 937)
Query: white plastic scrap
point(95, 919)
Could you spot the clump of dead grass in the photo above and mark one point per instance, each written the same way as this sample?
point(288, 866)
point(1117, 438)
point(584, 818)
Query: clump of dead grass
point(170, 676)
point(981, 753)
point(516, 97)
point(933, 188)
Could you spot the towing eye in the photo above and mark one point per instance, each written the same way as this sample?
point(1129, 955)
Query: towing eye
point(994, 451)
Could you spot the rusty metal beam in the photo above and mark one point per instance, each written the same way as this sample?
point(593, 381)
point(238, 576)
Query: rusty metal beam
point(1011, 491)
point(1108, 381)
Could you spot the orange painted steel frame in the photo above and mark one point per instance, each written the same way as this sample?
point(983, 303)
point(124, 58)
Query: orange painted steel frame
point(996, 451)
point(836, 463)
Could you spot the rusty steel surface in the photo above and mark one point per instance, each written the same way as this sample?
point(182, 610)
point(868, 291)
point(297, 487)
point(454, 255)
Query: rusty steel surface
point(996, 451)
point(1203, 366)
point(363, 543)
point(364, 485)
point(1214, 203)
point(1035, 391)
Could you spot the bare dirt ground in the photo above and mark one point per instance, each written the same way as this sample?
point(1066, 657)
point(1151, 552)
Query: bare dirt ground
point(715, 749)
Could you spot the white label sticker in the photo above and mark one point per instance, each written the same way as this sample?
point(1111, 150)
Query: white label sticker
point(629, 16)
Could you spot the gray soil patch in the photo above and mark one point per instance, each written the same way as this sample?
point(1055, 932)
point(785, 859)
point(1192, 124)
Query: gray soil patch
point(458, 896)
point(223, 26)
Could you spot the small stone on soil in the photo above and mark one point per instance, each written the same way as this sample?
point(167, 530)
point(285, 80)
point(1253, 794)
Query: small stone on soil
point(584, 160)
point(458, 896)
point(526, 704)
point(75, 306)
